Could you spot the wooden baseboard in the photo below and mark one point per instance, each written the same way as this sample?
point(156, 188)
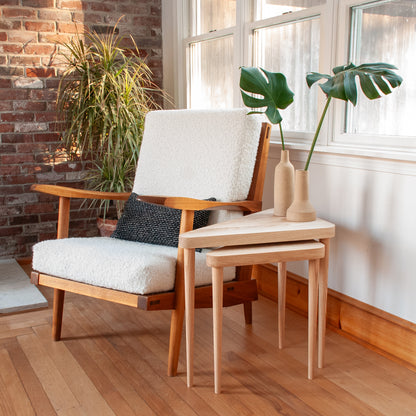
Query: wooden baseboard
point(380, 331)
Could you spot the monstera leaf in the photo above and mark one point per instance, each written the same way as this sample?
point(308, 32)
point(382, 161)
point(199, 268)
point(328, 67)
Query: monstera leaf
point(273, 88)
point(342, 84)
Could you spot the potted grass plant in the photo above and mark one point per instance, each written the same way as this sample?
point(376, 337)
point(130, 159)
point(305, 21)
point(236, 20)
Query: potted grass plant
point(376, 79)
point(104, 94)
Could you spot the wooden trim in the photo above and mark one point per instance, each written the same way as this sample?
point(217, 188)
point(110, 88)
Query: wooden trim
point(89, 290)
point(378, 330)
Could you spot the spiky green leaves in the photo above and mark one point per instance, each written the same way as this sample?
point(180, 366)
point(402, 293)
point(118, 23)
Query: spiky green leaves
point(374, 78)
point(272, 86)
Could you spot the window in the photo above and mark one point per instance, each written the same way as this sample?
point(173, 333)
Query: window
point(296, 37)
point(273, 50)
point(210, 50)
point(385, 31)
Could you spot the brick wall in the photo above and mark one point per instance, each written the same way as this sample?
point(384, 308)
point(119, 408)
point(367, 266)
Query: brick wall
point(29, 132)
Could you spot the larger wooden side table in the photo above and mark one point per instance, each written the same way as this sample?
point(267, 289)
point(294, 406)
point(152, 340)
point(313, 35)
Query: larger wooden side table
point(259, 228)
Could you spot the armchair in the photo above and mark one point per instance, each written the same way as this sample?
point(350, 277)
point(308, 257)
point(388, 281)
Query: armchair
point(187, 156)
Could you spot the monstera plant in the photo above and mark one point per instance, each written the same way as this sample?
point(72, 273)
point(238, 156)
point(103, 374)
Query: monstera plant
point(273, 88)
point(375, 79)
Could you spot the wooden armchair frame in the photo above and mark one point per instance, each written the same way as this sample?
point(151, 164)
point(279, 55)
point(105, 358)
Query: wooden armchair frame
point(242, 290)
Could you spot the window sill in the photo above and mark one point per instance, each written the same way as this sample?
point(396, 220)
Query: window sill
point(401, 161)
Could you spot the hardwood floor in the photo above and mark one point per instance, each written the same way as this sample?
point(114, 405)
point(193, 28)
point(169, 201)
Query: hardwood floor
point(113, 361)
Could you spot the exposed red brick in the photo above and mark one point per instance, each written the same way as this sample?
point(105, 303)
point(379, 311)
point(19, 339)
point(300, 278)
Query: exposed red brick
point(6, 127)
point(30, 105)
point(15, 159)
point(35, 70)
point(40, 72)
point(13, 94)
point(102, 7)
point(46, 116)
point(17, 138)
point(19, 180)
point(18, 13)
point(10, 24)
point(40, 26)
point(9, 170)
point(72, 4)
point(6, 105)
point(10, 48)
point(9, 231)
point(22, 37)
point(39, 208)
point(37, 3)
point(31, 147)
point(71, 27)
point(46, 137)
point(7, 148)
point(11, 189)
point(9, 2)
point(5, 83)
point(16, 117)
point(40, 49)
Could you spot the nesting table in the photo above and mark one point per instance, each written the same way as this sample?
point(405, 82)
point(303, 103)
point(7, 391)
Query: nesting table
point(255, 239)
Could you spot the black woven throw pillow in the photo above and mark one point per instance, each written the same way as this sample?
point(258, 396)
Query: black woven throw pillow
point(152, 223)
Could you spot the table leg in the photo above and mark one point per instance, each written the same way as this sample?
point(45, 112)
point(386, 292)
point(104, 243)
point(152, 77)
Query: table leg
point(323, 295)
point(189, 277)
point(281, 301)
point(312, 314)
point(217, 303)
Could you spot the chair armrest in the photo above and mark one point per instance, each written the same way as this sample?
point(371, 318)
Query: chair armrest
point(198, 204)
point(66, 192)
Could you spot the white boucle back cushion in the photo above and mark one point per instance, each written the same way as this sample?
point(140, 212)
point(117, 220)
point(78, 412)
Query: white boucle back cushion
point(198, 154)
point(117, 264)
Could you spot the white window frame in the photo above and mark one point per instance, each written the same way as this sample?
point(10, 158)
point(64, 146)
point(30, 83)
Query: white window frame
point(378, 143)
point(334, 50)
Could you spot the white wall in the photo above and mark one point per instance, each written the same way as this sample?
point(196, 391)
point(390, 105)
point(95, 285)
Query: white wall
point(372, 201)
point(373, 204)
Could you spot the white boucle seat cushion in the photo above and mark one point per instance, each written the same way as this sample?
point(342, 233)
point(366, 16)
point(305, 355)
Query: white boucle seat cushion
point(117, 264)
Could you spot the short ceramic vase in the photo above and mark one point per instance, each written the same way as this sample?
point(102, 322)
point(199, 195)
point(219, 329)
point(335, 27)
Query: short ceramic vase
point(301, 209)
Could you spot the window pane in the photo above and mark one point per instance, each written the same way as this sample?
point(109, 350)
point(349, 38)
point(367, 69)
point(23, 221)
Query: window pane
point(211, 15)
point(293, 49)
point(385, 32)
point(272, 8)
point(211, 73)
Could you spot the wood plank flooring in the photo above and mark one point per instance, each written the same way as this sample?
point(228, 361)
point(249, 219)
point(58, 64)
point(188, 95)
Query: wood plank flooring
point(113, 361)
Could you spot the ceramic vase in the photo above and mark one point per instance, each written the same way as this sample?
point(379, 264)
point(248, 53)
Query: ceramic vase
point(284, 184)
point(301, 209)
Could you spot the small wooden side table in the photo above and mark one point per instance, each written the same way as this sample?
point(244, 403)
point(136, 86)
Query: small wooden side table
point(259, 228)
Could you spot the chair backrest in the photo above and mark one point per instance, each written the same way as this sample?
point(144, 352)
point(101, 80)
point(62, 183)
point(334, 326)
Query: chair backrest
point(198, 154)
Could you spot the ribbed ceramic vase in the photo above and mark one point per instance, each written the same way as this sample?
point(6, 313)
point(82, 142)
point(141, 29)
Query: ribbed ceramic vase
point(284, 184)
point(301, 209)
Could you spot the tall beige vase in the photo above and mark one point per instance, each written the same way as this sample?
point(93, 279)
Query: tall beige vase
point(284, 184)
point(301, 209)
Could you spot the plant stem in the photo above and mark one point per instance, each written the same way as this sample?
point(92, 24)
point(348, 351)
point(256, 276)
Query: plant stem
point(318, 129)
point(281, 136)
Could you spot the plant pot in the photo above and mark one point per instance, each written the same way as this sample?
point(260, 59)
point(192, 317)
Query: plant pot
point(301, 209)
point(284, 184)
point(106, 226)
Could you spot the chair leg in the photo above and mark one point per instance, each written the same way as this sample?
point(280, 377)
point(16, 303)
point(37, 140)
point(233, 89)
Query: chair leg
point(58, 309)
point(176, 325)
point(248, 312)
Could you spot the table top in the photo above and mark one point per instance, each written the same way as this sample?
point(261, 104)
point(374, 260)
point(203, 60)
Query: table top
point(259, 228)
